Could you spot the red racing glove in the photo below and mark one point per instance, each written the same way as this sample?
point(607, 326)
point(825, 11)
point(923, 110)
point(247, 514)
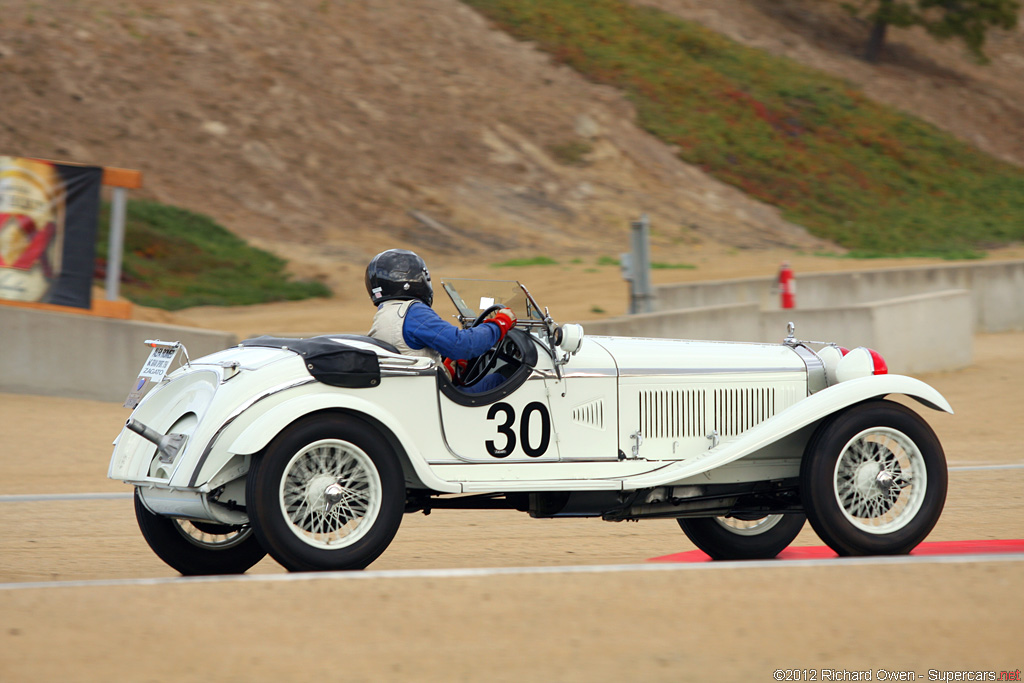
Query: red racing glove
point(456, 369)
point(505, 319)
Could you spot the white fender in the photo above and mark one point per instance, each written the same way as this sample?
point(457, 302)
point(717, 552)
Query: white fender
point(806, 412)
point(266, 427)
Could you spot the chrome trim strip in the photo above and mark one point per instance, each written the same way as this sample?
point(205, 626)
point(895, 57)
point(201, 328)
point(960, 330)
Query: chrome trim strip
point(685, 372)
point(578, 372)
point(234, 415)
point(405, 372)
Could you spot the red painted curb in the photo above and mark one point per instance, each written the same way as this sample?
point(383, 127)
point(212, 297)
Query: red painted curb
point(818, 552)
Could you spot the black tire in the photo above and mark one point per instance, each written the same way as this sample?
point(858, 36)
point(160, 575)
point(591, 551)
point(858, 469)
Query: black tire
point(727, 538)
point(302, 534)
point(882, 513)
point(199, 548)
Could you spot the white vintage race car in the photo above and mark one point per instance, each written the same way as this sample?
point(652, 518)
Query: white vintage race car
point(313, 449)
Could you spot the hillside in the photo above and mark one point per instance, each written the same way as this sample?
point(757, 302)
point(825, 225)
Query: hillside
point(327, 130)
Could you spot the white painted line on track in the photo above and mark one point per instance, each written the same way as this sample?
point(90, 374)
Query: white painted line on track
point(979, 468)
point(520, 571)
point(46, 497)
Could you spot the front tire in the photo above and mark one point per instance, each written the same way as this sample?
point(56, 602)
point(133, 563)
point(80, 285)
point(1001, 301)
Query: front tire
point(199, 548)
point(732, 538)
point(328, 494)
point(873, 480)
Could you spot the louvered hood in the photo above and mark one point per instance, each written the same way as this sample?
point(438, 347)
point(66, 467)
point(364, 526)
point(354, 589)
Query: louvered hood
point(653, 357)
point(683, 397)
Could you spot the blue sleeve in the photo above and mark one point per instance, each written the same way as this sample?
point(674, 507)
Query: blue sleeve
point(425, 328)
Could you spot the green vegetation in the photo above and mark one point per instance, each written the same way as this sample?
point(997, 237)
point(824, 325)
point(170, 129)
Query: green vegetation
point(535, 261)
point(952, 255)
point(174, 259)
point(608, 261)
point(850, 170)
point(658, 265)
point(967, 20)
point(571, 153)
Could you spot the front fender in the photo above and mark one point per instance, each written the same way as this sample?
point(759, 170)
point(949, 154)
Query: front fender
point(807, 412)
point(257, 435)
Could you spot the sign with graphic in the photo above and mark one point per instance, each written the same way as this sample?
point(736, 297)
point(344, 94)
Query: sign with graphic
point(48, 216)
point(153, 371)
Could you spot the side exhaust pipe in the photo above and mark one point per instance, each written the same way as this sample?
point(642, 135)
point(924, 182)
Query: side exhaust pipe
point(168, 445)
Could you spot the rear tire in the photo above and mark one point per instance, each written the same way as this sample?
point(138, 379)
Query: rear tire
point(314, 461)
point(730, 538)
point(873, 480)
point(199, 548)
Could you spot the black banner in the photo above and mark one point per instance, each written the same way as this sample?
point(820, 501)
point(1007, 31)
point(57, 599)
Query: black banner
point(48, 215)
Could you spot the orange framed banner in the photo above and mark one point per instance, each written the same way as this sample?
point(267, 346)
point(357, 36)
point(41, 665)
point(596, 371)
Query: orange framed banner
point(48, 217)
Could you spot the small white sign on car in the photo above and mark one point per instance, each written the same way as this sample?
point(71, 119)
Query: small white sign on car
point(154, 369)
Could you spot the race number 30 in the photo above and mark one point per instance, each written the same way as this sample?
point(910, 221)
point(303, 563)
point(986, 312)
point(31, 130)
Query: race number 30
point(506, 429)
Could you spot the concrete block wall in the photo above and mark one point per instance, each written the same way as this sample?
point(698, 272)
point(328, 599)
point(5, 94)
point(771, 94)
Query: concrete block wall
point(923, 333)
point(997, 290)
point(735, 322)
point(81, 356)
point(914, 334)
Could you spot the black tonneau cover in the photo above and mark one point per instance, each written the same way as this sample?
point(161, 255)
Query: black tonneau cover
point(333, 362)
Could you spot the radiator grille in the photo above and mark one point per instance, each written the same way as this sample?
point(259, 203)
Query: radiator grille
point(672, 414)
point(589, 414)
point(683, 413)
point(737, 410)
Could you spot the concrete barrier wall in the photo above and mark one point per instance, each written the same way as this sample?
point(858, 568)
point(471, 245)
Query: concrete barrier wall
point(923, 333)
point(736, 322)
point(79, 356)
point(997, 290)
point(914, 334)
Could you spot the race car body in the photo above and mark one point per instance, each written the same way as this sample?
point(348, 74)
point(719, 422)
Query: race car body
point(313, 449)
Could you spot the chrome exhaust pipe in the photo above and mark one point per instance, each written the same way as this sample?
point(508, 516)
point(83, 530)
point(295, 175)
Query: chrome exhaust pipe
point(168, 445)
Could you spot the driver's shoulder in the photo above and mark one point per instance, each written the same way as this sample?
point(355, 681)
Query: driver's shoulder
point(418, 309)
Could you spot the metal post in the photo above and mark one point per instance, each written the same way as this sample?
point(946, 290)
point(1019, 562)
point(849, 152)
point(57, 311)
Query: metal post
point(115, 246)
point(642, 293)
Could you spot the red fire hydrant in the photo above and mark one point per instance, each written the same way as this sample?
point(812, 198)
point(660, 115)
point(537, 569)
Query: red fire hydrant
point(787, 286)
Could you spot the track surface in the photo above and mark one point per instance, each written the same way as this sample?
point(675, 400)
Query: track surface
point(95, 604)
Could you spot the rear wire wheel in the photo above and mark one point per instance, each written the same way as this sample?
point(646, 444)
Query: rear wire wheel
point(328, 494)
point(196, 548)
point(873, 480)
point(736, 538)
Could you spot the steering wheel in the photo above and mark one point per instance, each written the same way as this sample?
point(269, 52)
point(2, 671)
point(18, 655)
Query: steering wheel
point(477, 367)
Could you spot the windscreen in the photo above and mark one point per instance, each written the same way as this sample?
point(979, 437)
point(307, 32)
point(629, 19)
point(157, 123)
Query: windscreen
point(471, 297)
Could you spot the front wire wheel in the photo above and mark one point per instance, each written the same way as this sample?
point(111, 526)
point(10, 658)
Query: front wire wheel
point(742, 537)
point(328, 494)
point(880, 480)
point(873, 480)
point(197, 548)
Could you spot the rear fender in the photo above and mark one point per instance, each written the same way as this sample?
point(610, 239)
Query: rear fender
point(261, 431)
point(807, 412)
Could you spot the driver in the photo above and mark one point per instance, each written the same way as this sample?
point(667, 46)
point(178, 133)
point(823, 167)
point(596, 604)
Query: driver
point(398, 283)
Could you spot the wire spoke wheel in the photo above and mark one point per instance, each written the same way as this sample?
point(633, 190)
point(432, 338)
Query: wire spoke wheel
point(880, 480)
point(212, 536)
point(196, 547)
point(327, 494)
point(331, 493)
point(749, 527)
point(742, 537)
point(873, 480)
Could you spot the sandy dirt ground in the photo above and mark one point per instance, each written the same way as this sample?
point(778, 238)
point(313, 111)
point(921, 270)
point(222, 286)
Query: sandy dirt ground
point(708, 624)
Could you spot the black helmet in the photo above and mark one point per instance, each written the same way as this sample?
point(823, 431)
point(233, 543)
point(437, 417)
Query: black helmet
point(398, 274)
